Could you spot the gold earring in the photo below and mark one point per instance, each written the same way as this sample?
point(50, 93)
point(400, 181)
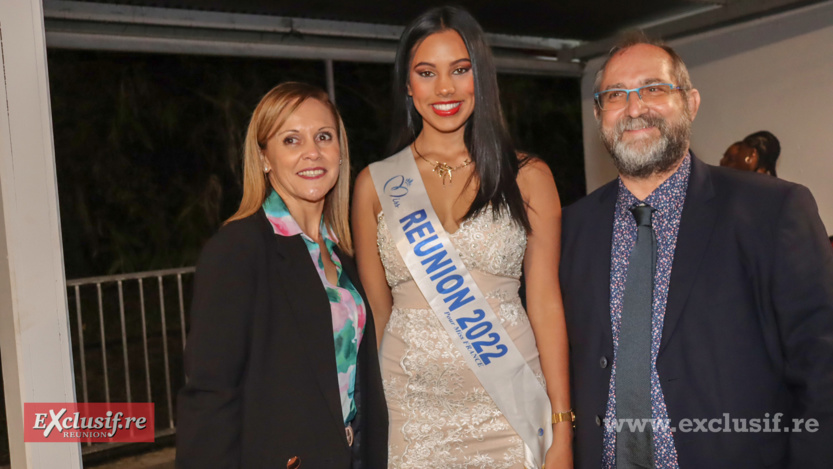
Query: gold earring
point(746, 159)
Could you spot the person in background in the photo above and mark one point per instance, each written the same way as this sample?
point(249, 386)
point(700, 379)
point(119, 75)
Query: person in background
point(699, 300)
point(757, 152)
point(281, 361)
point(737, 156)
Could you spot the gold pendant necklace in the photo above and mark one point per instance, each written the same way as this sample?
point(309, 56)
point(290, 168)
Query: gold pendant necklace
point(442, 169)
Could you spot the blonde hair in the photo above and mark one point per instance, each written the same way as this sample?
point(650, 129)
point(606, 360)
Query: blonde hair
point(270, 114)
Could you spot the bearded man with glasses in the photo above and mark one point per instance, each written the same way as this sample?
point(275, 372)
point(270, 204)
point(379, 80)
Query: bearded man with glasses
point(698, 299)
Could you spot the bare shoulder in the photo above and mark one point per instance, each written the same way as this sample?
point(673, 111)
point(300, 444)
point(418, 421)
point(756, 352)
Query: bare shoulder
point(364, 192)
point(363, 177)
point(534, 176)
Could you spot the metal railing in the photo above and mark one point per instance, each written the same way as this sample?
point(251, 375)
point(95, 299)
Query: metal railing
point(118, 311)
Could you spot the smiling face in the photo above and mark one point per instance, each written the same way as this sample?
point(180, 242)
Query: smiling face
point(301, 158)
point(441, 82)
point(646, 140)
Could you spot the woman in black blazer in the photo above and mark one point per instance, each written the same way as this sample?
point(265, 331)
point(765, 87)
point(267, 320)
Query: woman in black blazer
point(281, 355)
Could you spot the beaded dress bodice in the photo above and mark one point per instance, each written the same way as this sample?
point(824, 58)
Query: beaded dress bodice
point(440, 415)
point(488, 243)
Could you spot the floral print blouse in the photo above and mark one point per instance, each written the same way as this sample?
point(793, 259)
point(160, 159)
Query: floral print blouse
point(346, 304)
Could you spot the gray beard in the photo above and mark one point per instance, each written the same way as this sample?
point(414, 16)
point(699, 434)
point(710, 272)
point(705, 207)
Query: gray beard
point(646, 157)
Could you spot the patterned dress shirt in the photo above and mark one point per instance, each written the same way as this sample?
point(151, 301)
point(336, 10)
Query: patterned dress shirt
point(668, 200)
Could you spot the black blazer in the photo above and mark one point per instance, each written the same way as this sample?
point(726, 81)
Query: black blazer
point(748, 325)
point(260, 361)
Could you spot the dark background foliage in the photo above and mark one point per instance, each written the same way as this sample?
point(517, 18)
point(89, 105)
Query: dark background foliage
point(148, 151)
point(148, 147)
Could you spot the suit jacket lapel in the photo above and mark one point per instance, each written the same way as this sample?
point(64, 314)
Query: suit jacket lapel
point(601, 239)
point(298, 281)
point(696, 226)
point(348, 267)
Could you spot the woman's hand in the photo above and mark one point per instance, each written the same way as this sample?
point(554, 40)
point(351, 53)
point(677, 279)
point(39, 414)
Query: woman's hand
point(560, 454)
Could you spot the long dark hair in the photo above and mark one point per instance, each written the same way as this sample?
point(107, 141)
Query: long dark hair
point(486, 136)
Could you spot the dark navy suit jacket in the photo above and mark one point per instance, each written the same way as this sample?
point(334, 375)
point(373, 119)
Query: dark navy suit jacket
point(748, 328)
point(260, 361)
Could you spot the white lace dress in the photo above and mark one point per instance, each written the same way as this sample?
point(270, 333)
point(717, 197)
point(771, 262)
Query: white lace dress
point(440, 415)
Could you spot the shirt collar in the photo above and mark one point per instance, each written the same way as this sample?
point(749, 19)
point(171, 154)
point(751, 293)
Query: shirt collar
point(670, 195)
point(284, 225)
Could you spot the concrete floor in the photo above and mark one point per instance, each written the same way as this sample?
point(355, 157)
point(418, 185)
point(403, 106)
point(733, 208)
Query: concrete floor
point(161, 459)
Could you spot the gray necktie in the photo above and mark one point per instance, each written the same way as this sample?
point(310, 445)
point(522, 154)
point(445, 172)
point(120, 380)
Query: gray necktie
point(634, 449)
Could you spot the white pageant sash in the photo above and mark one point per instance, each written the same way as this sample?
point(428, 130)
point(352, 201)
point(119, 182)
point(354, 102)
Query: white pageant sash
point(459, 304)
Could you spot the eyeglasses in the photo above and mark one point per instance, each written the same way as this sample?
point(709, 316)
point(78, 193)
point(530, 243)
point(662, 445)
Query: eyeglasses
point(615, 99)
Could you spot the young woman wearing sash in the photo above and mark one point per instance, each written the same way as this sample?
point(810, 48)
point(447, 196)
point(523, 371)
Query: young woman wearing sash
point(442, 230)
